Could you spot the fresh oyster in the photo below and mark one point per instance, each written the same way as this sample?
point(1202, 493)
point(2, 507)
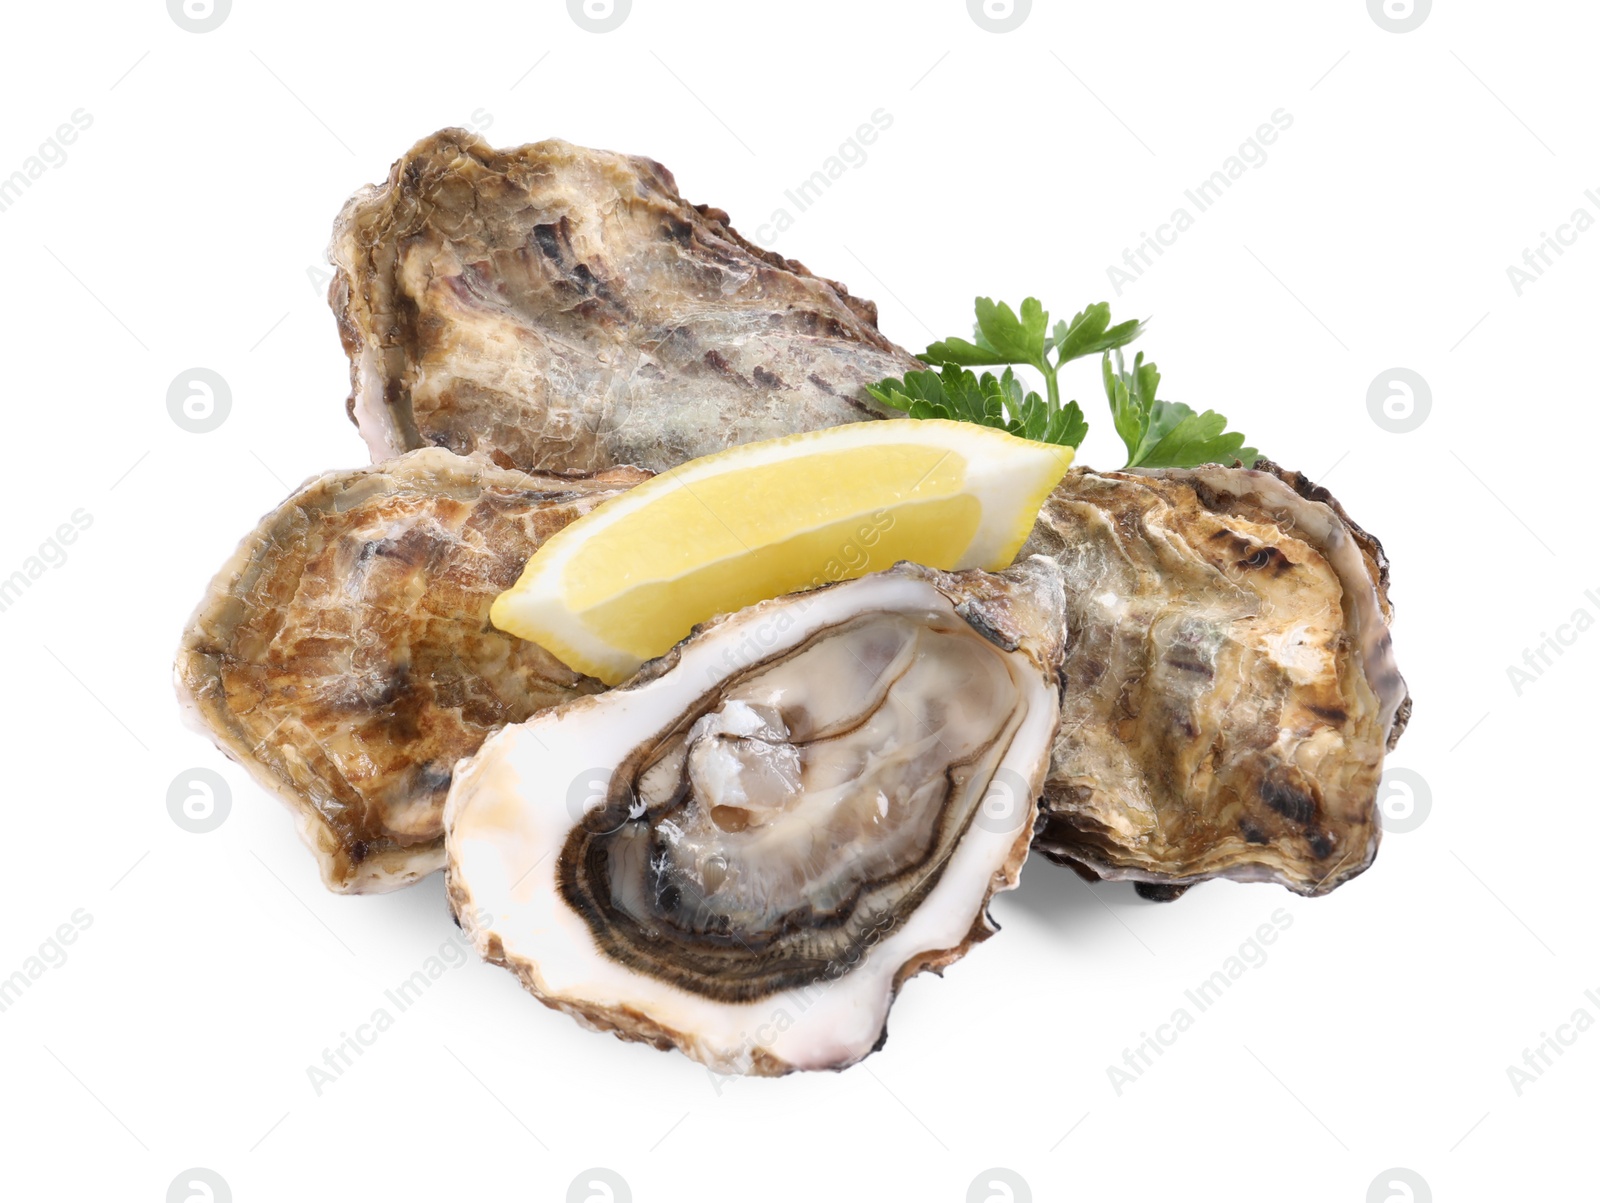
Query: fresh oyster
point(561, 308)
point(1230, 687)
point(746, 849)
point(344, 654)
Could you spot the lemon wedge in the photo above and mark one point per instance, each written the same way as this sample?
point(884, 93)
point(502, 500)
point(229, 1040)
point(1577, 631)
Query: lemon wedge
point(627, 581)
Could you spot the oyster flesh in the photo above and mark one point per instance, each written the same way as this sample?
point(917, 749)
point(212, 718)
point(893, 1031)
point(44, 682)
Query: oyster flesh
point(344, 654)
point(746, 849)
point(1229, 687)
point(558, 308)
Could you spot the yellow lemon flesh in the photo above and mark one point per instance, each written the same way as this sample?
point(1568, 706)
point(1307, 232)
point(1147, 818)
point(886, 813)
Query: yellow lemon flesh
point(627, 581)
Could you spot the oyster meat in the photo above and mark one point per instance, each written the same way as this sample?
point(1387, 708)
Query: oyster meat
point(746, 849)
point(344, 654)
point(1229, 686)
point(554, 307)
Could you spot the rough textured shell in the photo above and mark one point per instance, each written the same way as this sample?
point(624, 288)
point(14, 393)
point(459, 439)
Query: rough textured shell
point(1230, 686)
point(555, 307)
point(344, 655)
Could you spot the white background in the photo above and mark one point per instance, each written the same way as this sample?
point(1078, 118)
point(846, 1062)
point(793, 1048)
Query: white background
point(180, 233)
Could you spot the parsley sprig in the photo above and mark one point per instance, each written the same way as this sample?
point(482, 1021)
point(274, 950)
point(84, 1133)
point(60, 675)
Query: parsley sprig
point(986, 400)
point(1166, 434)
point(1157, 434)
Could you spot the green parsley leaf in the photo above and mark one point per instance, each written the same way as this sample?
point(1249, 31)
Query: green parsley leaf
point(1000, 337)
point(1019, 340)
point(1003, 336)
point(960, 353)
point(1196, 439)
point(956, 394)
point(1165, 434)
point(1157, 434)
point(1090, 333)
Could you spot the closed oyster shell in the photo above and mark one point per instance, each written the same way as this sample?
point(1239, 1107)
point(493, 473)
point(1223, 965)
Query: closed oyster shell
point(559, 308)
point(1230, 686)
point(746, 849)
point(344, 653)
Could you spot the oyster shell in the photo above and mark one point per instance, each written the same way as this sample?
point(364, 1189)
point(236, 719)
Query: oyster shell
point(554, 307)
point(746, 849)
point(344, 654)
point(1230, 686)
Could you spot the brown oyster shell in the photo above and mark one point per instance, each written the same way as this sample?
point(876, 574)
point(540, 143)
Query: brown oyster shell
point(344, 653)
point(1230, 687)
point(510, 810)
point(554, 307)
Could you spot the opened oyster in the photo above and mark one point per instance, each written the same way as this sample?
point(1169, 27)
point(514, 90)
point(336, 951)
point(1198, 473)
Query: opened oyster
point(746, 849)
point(559, 308)
point(1229, 688)
point(345, 657)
